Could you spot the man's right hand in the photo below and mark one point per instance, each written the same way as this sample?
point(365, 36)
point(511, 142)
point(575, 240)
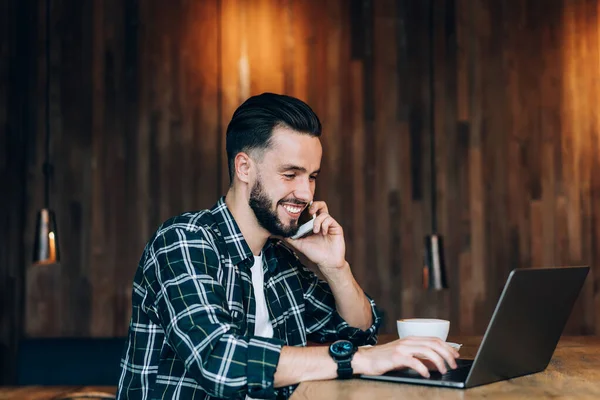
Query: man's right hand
point(404, 353)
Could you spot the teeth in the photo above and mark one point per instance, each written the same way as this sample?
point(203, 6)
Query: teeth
point(293, 210)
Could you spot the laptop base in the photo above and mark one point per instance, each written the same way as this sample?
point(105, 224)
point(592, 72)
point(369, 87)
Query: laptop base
point(455, 378)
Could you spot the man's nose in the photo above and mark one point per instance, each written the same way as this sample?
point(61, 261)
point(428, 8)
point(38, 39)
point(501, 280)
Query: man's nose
point(303, 190)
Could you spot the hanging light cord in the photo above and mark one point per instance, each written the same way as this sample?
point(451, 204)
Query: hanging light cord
point(47, 168)
point(432, 117)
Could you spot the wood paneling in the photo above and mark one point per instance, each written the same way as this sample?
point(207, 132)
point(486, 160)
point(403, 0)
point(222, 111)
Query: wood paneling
point(18, 90)
point(142, 92)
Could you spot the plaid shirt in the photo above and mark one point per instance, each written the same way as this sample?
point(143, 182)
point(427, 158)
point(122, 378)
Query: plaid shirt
point(191, 334)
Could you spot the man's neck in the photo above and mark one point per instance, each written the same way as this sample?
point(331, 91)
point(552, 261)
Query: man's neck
point(253, 233)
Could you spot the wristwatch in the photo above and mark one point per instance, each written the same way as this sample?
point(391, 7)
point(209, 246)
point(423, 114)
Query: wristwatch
point(342, 352)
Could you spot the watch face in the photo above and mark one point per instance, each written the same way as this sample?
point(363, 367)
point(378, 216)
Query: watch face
point(342, 348)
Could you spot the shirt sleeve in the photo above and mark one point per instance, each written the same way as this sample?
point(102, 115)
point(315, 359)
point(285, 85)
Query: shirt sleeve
point(192, 308)
point(323, 322)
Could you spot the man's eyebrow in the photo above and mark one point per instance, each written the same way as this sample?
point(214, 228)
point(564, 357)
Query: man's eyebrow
point(292, 167)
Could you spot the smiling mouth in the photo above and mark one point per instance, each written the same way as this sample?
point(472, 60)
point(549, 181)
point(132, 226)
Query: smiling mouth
point(293, 211)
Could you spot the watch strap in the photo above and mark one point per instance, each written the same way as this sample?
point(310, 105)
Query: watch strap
point(344, 369)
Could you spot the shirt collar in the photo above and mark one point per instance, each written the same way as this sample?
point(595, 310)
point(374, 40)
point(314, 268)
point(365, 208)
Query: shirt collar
point(236, 244)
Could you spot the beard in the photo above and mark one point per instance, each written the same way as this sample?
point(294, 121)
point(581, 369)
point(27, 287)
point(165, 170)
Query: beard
point(260, 203)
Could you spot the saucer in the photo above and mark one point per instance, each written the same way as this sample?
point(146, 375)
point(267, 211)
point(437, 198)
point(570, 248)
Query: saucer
point(454, 345)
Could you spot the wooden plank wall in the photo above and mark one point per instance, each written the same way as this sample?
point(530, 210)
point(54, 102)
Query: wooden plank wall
point(18, 35)
point(142, 92)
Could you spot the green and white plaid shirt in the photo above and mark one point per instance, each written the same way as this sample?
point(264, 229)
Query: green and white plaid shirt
point(191, 331)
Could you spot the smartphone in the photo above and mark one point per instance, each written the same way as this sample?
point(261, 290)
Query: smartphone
point(306, 222)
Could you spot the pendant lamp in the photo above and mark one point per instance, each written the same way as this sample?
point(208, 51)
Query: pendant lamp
point(46, 249)
point(434, 269)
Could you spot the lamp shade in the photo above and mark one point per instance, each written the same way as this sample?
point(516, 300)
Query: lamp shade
point(434, 271)
point(45, 250)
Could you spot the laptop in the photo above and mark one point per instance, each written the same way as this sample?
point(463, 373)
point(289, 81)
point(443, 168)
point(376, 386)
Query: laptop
point(522, 335)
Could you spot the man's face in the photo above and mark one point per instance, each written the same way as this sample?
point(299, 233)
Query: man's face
point(285, 181)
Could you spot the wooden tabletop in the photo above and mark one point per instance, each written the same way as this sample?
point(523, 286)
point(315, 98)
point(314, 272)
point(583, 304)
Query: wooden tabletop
point(574, 372)
point(55, 392)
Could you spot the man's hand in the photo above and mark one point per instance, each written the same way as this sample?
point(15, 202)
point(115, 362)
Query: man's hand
point(299, 364)
point(405, 353)
point(326, 246)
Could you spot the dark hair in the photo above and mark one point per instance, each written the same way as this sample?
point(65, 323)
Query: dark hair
point(252, 124)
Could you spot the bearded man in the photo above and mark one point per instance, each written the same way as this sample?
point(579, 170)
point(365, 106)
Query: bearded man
point(222, 306)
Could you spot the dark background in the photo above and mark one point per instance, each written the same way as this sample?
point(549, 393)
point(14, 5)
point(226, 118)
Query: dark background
point(141, 93)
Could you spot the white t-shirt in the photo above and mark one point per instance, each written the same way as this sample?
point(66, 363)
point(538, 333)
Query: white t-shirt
point(263, 326)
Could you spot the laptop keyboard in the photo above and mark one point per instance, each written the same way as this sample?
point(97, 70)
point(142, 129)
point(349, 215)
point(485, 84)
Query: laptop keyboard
point(454, 375)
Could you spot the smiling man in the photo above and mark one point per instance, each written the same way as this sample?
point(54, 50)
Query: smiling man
point(223, 308)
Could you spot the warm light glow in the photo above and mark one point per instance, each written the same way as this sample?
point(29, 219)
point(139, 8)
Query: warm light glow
point(52, 244)
point(46, 248)
point(581, 68)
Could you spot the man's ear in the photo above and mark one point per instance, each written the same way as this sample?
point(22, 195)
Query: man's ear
point(244, 167)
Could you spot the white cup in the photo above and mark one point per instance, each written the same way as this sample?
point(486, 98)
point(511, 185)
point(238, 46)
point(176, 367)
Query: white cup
point(423, 327)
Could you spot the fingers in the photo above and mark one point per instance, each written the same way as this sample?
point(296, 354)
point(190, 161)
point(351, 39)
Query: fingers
point(323, 224)
point(414, 363)
point(326, 225)
point(432, 356)
point(421, 354)
point(318, 207)
point(446, 351)
point(434, 349)
point(318, 222)
point(431, 351)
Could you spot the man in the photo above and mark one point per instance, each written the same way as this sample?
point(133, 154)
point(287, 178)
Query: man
point(223, 308)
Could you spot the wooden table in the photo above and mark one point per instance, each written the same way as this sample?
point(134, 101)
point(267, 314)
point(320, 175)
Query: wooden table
point(574, 372)
point(52, 392)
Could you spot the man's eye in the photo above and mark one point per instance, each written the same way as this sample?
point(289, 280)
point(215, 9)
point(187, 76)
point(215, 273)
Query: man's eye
point(313, 178)
point(289, 176)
